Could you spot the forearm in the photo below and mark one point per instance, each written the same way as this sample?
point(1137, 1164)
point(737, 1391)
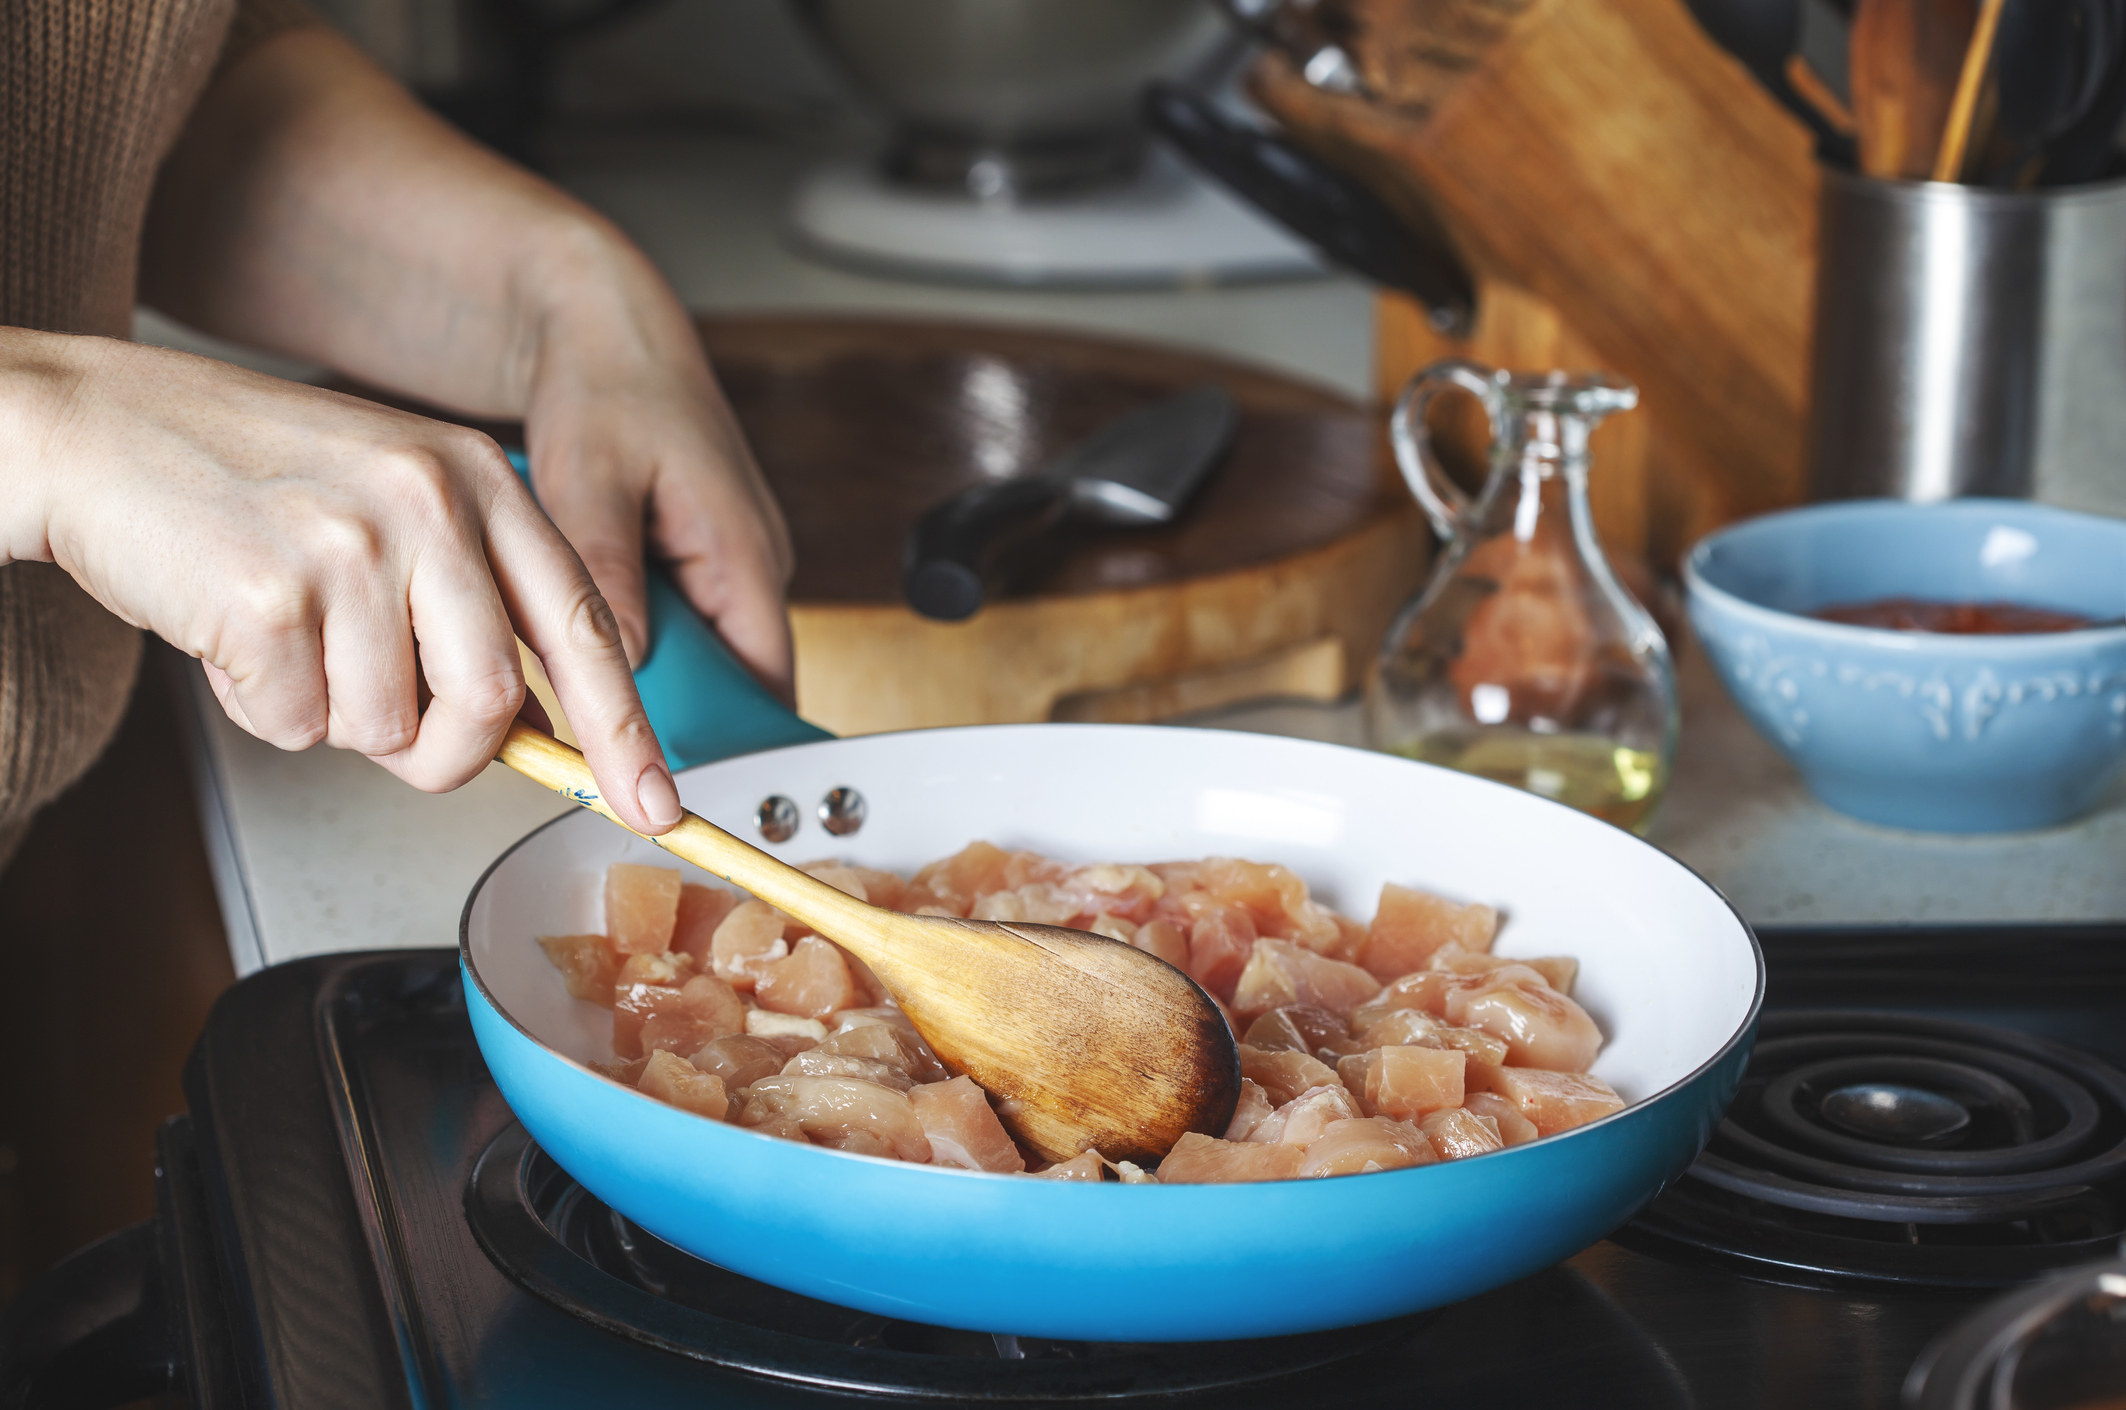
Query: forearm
point(312, 207)
point(38, 375)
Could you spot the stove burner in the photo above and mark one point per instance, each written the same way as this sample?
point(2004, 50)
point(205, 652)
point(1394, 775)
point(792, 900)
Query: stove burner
point(1884, 1111)
point(547, 1233)
point(1884, 1147)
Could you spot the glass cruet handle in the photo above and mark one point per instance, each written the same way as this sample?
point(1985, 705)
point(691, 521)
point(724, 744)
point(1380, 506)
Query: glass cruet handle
point(1442, 499)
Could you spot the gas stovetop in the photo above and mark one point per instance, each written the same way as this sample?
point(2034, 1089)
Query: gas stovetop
point(350, 1217)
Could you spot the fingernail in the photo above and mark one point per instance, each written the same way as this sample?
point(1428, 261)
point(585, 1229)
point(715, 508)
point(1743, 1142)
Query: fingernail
point(658, 795)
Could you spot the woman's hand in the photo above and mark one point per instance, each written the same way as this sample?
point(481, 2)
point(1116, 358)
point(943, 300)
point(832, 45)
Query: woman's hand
point(323, 556)
point(629, 436)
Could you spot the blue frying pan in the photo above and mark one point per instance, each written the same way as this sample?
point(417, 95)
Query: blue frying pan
point(1668, 969)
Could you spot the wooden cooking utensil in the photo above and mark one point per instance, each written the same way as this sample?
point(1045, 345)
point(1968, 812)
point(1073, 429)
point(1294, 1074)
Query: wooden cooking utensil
point(1084, 1041)
point(1905, 59)
point(1956, 137)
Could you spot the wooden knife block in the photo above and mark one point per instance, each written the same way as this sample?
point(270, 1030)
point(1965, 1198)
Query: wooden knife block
point(1626, 198)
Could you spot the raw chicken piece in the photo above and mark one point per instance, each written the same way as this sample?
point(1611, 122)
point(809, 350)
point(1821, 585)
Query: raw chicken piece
point(701, 910)
point(818, 1062)
point(1087, 1167)
point(1363, 1145)
point(1299, 1121)
point(1165, 940)
point(1274, 898)
point(1541, 1027)
point(1411, 924)
point(1197, 1159)
point(1514, 1129)
point(783, 1028)
point(1126, 892)
point(1425, 991)
point(1457, 1133)
point(845, 879)
point(671, 1078)
point(962, 1129)
point(1280, 973)
point(1218, 946)
point(1558, 971)
point(708, 1008)
point(1299, 1028)
point(1401, 1026)
point(1041, 902)
point(626, 1071)
point(836, 1111)
point(882, 888)
point(646, 984)
point(1354, 1072)
point(641, 906)
point(740, 1061)
point(870, 1014)
point(1414, 1082)
point(1129, 1172)
point(811, 981)
point(1113, 927)
point(587, 963)
point(889, 1043)
point(746, 941)
point(1249, 1112)
point(1283, 1076)
point(974, 871)
point(1555, 1101)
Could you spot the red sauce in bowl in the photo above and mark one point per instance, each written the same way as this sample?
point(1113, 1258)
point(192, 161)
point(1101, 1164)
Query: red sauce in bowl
point(1918, 614)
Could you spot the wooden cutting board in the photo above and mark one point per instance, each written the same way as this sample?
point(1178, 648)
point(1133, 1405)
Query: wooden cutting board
point(1279, 579)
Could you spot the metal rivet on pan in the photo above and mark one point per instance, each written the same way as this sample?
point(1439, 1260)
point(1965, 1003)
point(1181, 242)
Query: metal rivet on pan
point(841, 812)
point(777, 818)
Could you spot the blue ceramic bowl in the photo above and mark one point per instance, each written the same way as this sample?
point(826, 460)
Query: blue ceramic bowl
point(1917, 730)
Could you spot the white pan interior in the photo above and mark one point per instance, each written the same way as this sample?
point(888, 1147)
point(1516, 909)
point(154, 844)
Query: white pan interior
point(1666, 967)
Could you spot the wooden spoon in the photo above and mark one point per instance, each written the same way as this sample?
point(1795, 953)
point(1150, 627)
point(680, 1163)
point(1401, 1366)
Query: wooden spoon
point(1084, 1041)
point(1956, 134)
point(1905, 59)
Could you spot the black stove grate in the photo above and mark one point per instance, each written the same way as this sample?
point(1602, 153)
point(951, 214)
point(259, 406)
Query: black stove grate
point(555, 1239)
point(1875, 1147)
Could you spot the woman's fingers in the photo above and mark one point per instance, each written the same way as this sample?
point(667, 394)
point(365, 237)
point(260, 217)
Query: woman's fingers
point(569, 626)
point(744, 600)
point(600, 514)
point(270, 663)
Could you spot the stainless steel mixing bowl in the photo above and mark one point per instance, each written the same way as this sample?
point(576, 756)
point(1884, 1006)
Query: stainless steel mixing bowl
point(1013, 97)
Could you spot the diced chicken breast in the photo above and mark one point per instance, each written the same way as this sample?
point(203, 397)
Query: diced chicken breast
point(1125, 892)
point(1218, 947)
point(646, 984)
point(740, 1061)
point(1273, 896)
point(1087, 1167)
point(1540, 1026)
point(746, 941)
point(1412, 1082)
point(882, 888)
point(588, 965)
point(811, 982)
point(1555, 1101)
point(818, 1062)
point(768, 1024)
point(1363, 1145)
point(641, 906)
point(840, 1112)
point(701, 910)
point(1410, 924)
point(975, 871)
point(1425, 992)
point(1197, 1159)
point(1165, 940)
point(1284, 1075)
point(1458, 1133)
point(1280, 973)
point(962, 1128)
point(1306, 1116)
point(1399, 1027)
point(1514, 1129)
point(845, 879)
point(671, 1078)
point(1299, 1028)
point(1248, 1112)
point(708, 1009)
point(1355, 1072)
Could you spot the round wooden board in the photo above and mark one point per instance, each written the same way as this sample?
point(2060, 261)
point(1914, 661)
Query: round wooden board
point(1278, 578)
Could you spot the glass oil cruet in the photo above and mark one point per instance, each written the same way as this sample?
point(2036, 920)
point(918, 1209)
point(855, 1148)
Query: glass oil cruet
point(1523, 659)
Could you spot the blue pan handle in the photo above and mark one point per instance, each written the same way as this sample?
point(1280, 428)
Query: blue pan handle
point(702, 703)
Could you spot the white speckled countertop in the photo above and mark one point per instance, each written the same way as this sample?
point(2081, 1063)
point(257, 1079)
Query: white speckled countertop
point(323, 851)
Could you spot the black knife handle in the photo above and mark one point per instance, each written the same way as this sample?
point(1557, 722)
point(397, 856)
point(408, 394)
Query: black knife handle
point(1327, 209)
point(944, 572)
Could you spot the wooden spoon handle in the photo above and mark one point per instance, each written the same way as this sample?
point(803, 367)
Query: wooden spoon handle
point(1956, 137)
point(835, 914)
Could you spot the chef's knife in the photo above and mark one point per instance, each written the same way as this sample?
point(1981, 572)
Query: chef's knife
point(1138, 470)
